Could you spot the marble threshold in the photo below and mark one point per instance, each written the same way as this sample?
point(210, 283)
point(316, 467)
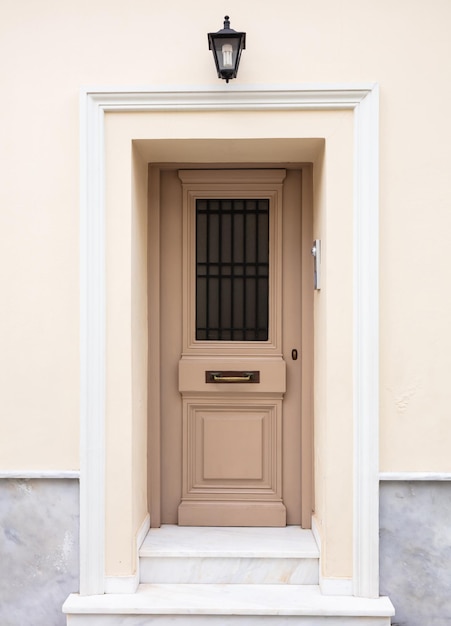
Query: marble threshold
point(249, 594)
point(173, 554)
point(264, 601)
point(286, 542)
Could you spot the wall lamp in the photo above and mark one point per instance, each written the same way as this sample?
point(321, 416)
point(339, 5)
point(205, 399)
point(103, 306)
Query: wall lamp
point(227, 45)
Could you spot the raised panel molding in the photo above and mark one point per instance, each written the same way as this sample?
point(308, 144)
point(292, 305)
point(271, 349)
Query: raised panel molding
point(232, 462)
point(249, 434)
point(363, 99)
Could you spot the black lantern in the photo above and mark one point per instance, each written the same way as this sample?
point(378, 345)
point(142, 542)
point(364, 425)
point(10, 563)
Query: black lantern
point(227, 45)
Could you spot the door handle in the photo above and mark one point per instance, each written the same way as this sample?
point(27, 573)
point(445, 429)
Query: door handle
point(232, 377)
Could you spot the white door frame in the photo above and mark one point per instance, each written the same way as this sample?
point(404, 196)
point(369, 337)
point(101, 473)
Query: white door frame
point(363, 99)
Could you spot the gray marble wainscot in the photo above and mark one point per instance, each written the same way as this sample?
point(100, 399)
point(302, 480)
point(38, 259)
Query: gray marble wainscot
point(39, 525)
point(415, 551)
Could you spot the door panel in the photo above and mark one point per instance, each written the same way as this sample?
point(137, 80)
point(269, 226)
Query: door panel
point(227, 448)
point(232, 443)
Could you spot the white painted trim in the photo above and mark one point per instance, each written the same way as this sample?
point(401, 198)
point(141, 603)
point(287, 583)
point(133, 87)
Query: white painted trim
point(240, 98)
point(366, 346)
point(32, 474)
point(363, 100)
point(419, 476)
point(92, 347)
point(129, 584)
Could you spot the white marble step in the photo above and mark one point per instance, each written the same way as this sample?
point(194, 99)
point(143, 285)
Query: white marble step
point(224, 605)
point(174, 554)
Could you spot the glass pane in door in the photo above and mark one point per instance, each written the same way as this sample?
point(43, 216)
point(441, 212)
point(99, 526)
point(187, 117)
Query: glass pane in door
point(232, 269)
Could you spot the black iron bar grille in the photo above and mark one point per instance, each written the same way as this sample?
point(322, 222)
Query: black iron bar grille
point(232, 269)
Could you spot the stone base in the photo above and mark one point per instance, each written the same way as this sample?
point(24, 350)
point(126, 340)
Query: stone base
point(39, 531)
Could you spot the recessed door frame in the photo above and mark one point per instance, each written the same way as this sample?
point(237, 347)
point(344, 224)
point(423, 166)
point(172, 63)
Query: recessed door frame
point(362, 99)
point(246, 502)
point(265, 180)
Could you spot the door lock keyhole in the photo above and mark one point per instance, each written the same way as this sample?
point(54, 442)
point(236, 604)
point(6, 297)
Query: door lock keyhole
point(294, 354)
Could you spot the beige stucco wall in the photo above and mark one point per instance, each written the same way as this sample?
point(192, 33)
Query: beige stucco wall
point(333, 335)
point(51, 49)
point(126, 353)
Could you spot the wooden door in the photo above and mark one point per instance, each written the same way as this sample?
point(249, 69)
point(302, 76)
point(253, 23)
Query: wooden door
point(230, 345)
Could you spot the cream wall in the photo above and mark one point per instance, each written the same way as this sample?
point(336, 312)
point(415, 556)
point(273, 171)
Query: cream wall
point(126, 353)
point(333, 333)
point(51, 49)
point(139, 342)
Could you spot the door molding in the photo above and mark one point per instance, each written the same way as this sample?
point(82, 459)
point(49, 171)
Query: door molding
point(247, 183)
point(363, 99)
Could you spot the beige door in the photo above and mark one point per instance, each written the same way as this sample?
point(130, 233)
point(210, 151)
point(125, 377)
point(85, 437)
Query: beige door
point(230, 347)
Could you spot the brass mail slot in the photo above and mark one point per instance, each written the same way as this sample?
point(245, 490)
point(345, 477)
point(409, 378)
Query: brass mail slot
point(232, 377)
